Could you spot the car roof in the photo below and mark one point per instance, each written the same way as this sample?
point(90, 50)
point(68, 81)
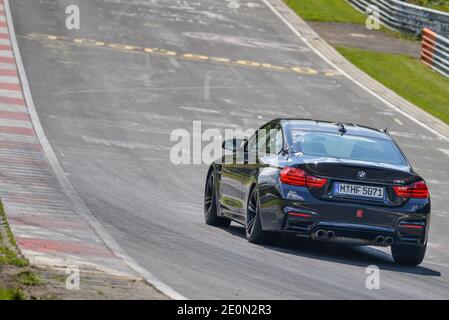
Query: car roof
point(334, 127)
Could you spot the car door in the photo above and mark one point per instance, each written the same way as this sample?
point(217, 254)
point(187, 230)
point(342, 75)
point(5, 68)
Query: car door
point(263, 151)
point(230, 195)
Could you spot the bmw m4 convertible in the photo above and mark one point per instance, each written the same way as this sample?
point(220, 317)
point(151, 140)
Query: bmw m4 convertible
point(337, 182)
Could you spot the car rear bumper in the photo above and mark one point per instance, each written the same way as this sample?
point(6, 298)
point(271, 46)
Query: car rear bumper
point(355, 233)
point(350, 222)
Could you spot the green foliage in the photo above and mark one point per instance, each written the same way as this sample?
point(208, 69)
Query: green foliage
point(406, 76)
point(12, 294)
point(326, 11)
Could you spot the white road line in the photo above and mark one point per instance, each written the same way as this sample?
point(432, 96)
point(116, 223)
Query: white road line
point(81, 207)
point(195, 109)
point(399, 122)
point(445, 151)
point(207, 80)
point(322, 56)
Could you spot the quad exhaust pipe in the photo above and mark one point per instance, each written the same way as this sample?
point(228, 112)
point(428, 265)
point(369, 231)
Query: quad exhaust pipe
point(380, 239)
point(319, 234)
point(330, 235)
point(383, 240)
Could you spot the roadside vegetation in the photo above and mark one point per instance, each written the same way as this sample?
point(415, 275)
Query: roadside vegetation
point(326, 11)
point(16, 276)
point(405, 75)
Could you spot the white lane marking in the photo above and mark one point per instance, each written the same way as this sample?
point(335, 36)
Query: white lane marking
point(81, 207)
point(445, 151)
point(174, 62)
point(207, 80)
point(15, 123)
point(123, 144)
point(204, 110)
point(361, 85)
point(399, 122)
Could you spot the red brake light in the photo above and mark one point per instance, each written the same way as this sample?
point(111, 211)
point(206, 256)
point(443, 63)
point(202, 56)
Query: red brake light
point(298, 177)
point(417, 190)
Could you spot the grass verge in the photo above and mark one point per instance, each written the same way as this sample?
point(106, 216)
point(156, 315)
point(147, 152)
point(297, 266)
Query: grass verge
point(406, 76)
point(12, 294)
point(326, 11)
point(337, 11)
point(15, 273)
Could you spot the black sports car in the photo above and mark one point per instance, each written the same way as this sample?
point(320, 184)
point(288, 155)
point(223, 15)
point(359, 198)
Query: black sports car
point(328, 181)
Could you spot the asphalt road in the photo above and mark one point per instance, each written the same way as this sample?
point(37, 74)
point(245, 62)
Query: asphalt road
point(109, 113)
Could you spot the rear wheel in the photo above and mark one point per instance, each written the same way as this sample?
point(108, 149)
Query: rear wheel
point(254, 231)
point(210, 205)
point(411, 255)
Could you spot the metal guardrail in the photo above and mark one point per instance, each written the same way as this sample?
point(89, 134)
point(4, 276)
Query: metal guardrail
point(407, 17)
point(434, 26)
point(435, 52)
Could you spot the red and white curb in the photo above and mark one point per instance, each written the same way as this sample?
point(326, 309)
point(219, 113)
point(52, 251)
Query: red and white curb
point(51, 223)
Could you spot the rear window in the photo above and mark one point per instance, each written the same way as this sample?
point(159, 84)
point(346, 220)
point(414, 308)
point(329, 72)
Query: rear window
point(347, 147)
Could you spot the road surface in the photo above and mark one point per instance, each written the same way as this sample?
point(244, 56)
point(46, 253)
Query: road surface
point(108, 107)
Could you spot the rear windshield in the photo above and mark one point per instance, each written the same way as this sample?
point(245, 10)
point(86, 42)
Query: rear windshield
point(347, 147)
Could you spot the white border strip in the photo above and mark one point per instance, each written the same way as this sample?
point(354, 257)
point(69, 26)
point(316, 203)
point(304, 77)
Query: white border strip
point(322, 56)
point(65, 184)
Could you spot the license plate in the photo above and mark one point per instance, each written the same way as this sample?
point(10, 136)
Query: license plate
point(358, 190)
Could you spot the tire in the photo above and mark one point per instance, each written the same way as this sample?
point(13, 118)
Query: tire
point(254, 232)
point(211, 205)
point(410, 255)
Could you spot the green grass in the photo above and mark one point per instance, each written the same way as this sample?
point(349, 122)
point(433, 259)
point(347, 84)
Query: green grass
point(12, 294)
point(326, 11)
point(28, 278)
point(406, 76)
point(337, 11)
point(8, 256)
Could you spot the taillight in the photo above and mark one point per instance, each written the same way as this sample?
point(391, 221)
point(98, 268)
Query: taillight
point(298, 177)
point(417, 190)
